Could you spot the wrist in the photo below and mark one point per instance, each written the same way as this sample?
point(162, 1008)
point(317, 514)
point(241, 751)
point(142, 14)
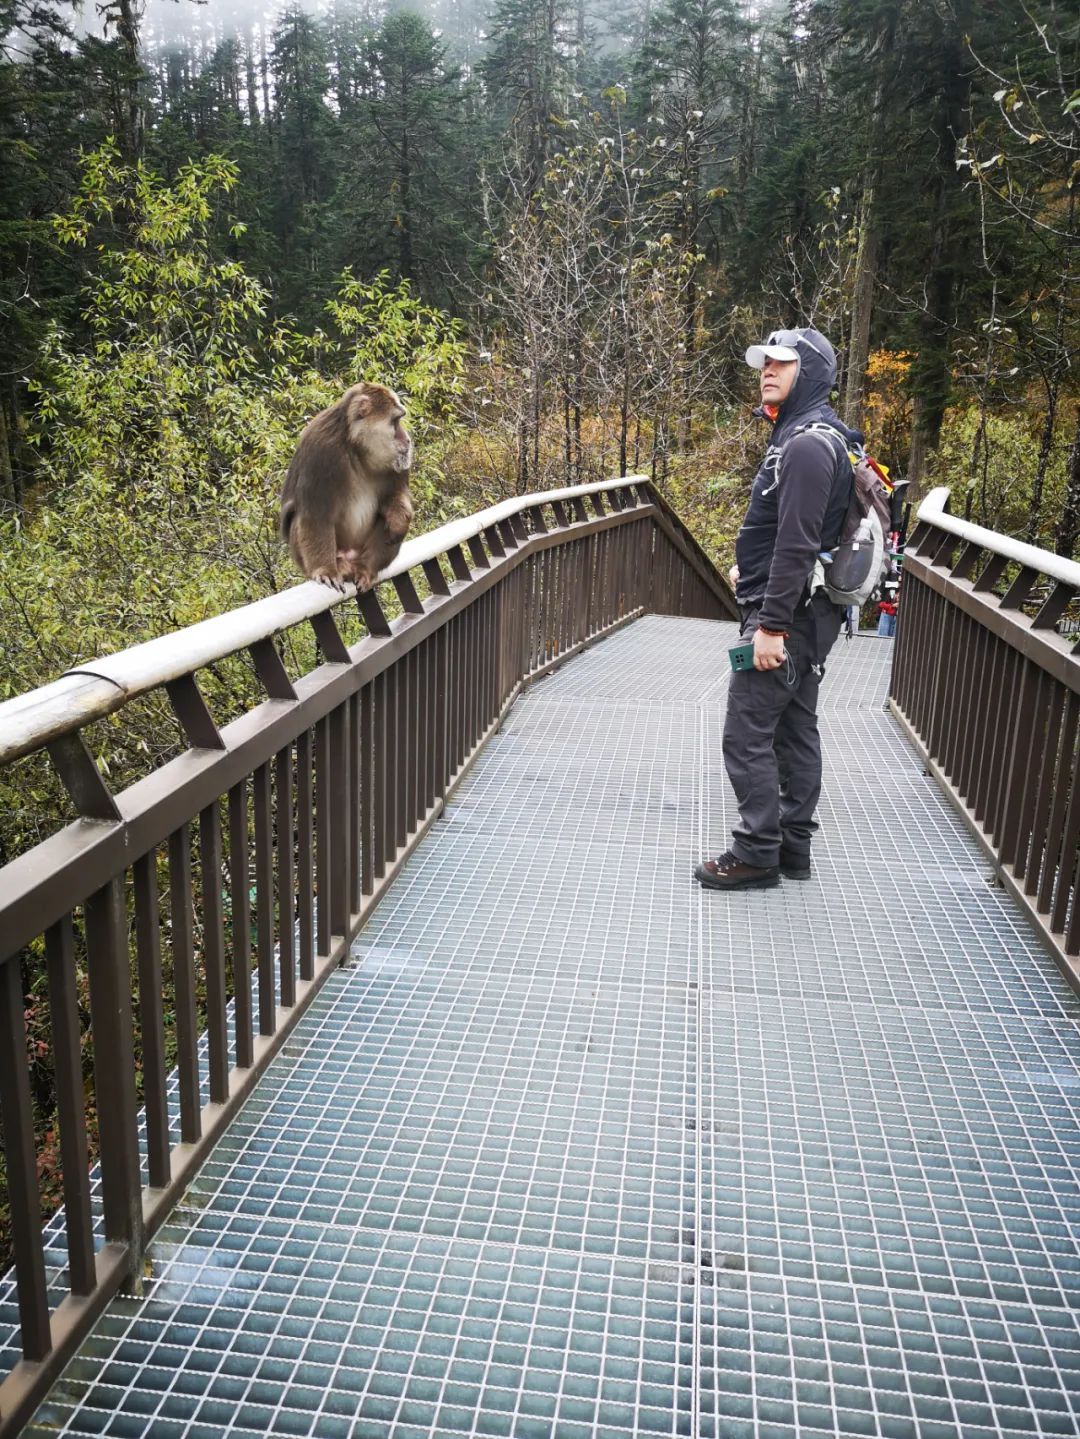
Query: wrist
point(774, 634)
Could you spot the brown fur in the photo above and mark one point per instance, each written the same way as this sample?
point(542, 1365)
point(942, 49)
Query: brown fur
point(345, 506)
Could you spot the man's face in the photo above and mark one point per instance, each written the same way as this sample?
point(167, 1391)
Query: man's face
point(777, 378)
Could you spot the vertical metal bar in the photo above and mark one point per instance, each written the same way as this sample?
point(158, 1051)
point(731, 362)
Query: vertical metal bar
point(21, 1157)
point(286, 883)
point(411, 747)
point(63, 1005)
point(305, 869)
point(356, 771)
point(991, 795)
point(425, 694)
point(217, 1036)
point(108, 966)
point(367, 790)
point(1017, 763)
point(399, 691)
point(323, 868)
point(379, 794)
point(151, 1020)
point(1063, 771)
point(441, 711)
point(1044, 795)
point(71, 1101)
point(183, 957)
point(340, 784)
point(973, 716)
point(1065, 888)
point(239, 886)
point(264, 899)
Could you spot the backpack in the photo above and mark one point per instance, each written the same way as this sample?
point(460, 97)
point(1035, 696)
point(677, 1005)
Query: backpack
point(861, 560)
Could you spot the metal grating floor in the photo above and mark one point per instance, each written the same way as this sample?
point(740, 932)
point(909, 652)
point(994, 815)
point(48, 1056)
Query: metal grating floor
point(575, 1150)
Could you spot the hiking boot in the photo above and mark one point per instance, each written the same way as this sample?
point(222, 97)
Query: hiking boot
point(794, 866)
point(727, 871)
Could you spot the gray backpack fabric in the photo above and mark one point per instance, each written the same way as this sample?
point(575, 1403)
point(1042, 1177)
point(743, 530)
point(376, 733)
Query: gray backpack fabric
point(860, 560)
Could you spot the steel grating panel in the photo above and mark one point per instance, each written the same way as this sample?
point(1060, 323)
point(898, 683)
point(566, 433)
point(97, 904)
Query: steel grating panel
point(573, 1148)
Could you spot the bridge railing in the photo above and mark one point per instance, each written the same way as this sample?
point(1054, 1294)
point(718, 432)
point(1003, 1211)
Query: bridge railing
point(229, 882)
point(988, 687)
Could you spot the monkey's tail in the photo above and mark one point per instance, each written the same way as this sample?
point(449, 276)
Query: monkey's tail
point(288, 513)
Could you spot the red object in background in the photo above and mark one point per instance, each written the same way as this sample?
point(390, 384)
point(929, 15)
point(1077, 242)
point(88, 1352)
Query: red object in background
point(887, 607)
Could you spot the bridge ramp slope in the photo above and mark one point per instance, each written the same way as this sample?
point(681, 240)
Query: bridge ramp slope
point(573, 1148)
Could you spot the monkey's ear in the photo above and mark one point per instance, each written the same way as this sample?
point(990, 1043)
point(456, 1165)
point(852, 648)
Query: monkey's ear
point(360, 402)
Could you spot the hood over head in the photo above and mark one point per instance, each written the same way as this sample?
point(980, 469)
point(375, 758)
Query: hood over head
point(814, 380)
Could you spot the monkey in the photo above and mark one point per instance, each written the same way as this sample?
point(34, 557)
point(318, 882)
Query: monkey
point(345, 506)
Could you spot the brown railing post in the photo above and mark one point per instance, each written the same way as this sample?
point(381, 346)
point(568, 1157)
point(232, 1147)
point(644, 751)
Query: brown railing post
point(107, 963)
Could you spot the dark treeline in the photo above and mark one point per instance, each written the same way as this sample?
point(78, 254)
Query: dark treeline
point(901, 172)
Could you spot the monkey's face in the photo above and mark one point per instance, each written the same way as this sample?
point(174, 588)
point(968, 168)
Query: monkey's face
point(374, 415)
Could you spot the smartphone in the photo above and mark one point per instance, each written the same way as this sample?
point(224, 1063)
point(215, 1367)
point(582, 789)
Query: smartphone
point(742, 656)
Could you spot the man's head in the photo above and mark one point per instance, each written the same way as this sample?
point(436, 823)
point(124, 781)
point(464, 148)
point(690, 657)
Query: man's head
point(791, 360)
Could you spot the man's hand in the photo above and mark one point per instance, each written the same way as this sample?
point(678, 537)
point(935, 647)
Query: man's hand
point(769, 651)
point(733, 575)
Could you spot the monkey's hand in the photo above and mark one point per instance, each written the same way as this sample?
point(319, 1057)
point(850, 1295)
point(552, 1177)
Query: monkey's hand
point(397, 515)
point(365, 578)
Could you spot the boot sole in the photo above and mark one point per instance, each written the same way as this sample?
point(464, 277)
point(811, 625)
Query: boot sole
point(799, 874)
point(767, 881)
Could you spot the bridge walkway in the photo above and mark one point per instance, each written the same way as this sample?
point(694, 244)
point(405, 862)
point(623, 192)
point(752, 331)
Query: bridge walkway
point(572, 1148)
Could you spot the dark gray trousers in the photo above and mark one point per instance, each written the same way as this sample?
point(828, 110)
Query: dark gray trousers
point(772, 752)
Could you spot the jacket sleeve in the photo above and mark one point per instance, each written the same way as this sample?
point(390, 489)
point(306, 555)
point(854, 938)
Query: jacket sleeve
point(807, 470)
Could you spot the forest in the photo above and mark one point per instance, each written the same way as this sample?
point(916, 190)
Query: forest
point(552, 225)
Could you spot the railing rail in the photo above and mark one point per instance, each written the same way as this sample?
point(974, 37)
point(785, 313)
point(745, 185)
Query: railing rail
point(988, 688)
point(233, 878)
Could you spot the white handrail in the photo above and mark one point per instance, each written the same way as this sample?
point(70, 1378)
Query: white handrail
point(932, 511)
point(100, 686)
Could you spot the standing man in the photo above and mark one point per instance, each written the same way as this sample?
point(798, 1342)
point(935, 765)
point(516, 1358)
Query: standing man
point(800, 496)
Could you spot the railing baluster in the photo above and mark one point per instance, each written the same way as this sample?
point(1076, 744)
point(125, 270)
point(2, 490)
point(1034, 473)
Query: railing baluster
point(240, 910)
point(380, 754)
point(1063, 774)
point(1066, 886)
point(1045, 794)
point(21, 1159)
point(151, 1018)
point(108, 966)
point(71, 1102)
point(217, 1037)
point(286, 884)
point(367, 789)
point(323, 861)
point(305, 873)
point(355, 806)
point(340, 782)
point(411, 767)
point(264, 899)
point(183, 966)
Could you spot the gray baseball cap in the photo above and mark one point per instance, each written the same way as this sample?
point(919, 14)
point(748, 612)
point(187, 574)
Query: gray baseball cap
point(780, 345)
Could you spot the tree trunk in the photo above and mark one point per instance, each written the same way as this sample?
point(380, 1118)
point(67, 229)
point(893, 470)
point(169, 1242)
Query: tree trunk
point(252, 90)
point(931, 372)
point(8, 484)
point(134, 122)
point(862, 306)
point(1043, 464)
point(973, 470)
point(1068, 530)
